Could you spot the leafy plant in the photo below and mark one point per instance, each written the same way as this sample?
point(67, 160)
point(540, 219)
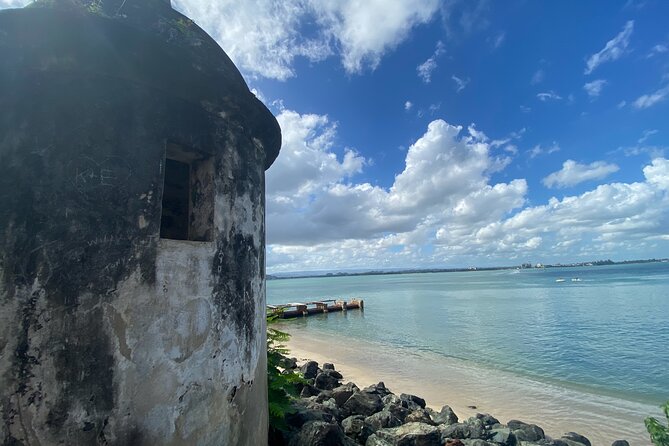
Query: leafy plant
point(281, 384)
point(659, 433)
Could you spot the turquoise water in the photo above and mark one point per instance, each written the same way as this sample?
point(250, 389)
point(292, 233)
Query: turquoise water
point(607, 333)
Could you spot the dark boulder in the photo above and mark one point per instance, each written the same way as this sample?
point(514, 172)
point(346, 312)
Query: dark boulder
point(304, 414)
point(620, 443)
point(444, 416)
point(310, 369)
point(578, 438)
point(320, 433)
point(454, 431)
point(502, 436)
point(526, 432)
point(356, 428)
point(308, 390)
point(326, 381)
point(342, 393)
point(410, 434)
point(362, 403)
point(378, 389)
point(420, 402)
point(473, 428)
point(288, 363)
point(419, 416)
point(328, 366)
point(487, 419)
point(382, 420)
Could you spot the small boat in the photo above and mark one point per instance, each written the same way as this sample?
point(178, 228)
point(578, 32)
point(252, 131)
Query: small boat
point(560, 280)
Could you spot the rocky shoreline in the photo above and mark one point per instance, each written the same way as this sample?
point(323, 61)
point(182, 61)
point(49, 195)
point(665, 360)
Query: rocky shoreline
point(330, 413)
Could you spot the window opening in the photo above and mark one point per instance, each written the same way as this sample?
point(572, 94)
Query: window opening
point(188, 195)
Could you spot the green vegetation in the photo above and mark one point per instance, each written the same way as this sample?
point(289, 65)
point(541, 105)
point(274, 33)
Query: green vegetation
point(659, 433)
point(281, 383)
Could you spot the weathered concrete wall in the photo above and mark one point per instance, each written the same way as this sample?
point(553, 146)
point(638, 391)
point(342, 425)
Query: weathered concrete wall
point(108, 333)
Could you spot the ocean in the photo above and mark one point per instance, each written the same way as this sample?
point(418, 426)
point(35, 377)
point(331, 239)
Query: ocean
point(602, 334)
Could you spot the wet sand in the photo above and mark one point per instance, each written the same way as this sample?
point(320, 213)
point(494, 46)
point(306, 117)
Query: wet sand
point(460, 384)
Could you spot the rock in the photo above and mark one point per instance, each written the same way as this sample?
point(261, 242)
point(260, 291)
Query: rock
point(308, 390)
point(502, 436)
point(398, 411)
point(320, 433)
point(362, 403)
point(487, 419)
point(328, 366)
point(325, 381)
point(410, 434)
point(419, 416)
point(334, 374)
point(391, 399)
point(454, 431)
point(310, 369)
point(413, 399)
point(620, 443)
point(356, 428)
point(343, 393)
point(324, 395)
point(476, 428)
point(573, 436)
point(378, 389)
point(444, 416)
point(331, 412)
point(304, 414)
point(476, 442)
point(473, 428)
point(382, 420)
point(526, 432)
point(288, 363)
point(455, 442)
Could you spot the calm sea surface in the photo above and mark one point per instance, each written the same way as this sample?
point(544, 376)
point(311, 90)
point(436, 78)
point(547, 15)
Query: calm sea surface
point(607, 333)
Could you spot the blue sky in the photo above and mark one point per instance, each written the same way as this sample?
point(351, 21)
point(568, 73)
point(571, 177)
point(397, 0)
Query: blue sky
point(456, 133)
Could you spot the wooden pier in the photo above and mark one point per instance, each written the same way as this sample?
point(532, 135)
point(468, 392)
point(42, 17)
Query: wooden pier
point(301, 309)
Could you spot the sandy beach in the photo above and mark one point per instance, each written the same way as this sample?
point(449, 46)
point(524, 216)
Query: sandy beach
point(463, 386)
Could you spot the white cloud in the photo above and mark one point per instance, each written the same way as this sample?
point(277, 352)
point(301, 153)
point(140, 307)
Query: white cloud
point(263, 37)
point(367, 30)
point(647, 134)
point(573, 173)
point(13, 3)
point(549, 96)
point(540, 150)
point(658, 173)
point(594, 88)
point(408, 105)
point(538, 77)
point(426, 68)
point(621, 104)
point(525, 109)
point(460, 83)
point(498, 40)
point(443, 207)
point(613, 49)
point(310, 200)
point(660, 48)
point(648, 100)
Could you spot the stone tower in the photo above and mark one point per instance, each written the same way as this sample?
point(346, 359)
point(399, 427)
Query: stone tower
point(132, 278)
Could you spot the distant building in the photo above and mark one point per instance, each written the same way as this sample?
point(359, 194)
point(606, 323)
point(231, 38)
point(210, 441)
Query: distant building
point(132, 252)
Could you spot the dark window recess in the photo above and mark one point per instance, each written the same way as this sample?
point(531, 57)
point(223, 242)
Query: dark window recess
point(188, 196)
point(174, 221)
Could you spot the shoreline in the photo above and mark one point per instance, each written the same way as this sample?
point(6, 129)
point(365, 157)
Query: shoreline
point(468, 389)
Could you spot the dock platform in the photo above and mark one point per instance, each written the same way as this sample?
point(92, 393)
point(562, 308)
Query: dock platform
point(302, 309)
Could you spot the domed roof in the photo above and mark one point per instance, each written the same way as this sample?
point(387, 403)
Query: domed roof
point(144, 42)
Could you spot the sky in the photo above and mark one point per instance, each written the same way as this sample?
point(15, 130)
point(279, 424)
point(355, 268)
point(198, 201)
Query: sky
point(453, 133)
